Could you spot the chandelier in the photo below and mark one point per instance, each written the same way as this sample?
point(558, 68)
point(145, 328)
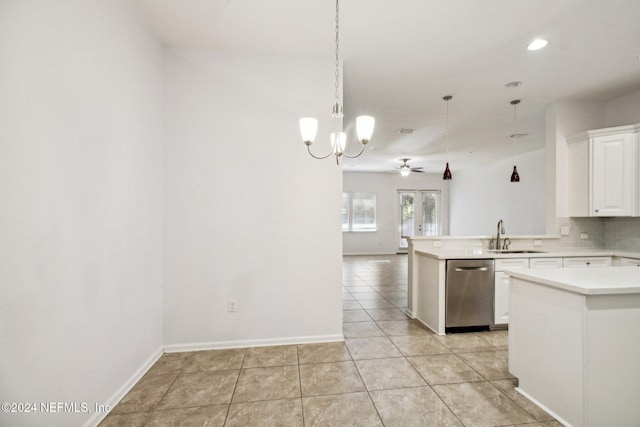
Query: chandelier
point(364, 124)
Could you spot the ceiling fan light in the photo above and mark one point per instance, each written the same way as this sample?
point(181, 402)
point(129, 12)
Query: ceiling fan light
point(308, 129)
point(405, 170)
point(364, 128)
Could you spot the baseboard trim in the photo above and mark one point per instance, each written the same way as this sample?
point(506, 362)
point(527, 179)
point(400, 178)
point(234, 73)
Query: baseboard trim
point(217, 345)
point(97, 417)
point(544, 408)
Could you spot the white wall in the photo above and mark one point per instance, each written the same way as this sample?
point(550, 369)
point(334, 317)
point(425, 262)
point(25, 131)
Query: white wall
point(386, 185)
point(81, 181)
point(624, 110)
point(249, 214)
point(482, 195)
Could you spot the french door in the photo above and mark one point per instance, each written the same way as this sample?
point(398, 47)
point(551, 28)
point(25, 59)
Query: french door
point(419, 214)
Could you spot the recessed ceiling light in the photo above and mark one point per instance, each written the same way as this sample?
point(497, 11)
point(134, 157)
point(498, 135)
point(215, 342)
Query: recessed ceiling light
point(537, 44)
point(406, 130)
point(513, 84)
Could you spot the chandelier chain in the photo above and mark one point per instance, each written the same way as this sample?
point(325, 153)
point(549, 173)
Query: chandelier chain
point(337, 52)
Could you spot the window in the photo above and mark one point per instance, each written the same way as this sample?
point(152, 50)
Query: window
point(358, 211)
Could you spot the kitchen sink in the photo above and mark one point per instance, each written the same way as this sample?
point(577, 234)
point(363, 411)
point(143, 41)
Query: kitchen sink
point(515, 251)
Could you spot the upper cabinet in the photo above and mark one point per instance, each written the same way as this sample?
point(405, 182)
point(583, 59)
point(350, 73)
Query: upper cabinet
point(604, 172)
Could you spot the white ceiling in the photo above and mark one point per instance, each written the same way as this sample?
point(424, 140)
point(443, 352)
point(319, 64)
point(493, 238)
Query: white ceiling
point(401, 57)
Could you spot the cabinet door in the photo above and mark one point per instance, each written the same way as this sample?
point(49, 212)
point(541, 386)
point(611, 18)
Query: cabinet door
point(587, 262)
point(629, 262)
point(545, 262)
point(501, 301)
point(613, 175)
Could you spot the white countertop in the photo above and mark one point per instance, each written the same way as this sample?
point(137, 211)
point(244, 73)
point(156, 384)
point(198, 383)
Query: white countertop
point(478, 253)
point(585, 281)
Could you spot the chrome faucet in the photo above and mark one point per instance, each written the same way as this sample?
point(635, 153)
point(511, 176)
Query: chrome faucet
point(500, 230)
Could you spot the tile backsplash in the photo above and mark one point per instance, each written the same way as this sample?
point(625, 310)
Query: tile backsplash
point(622, 233)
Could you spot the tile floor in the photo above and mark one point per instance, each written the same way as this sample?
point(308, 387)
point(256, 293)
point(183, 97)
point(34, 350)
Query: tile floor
point(389, 372)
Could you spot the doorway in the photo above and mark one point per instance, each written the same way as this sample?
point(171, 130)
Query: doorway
point(419, 214)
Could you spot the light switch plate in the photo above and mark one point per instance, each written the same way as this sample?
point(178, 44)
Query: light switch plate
point(437, 244)
point(537, 242)
point(564, 230)
point(584, 236)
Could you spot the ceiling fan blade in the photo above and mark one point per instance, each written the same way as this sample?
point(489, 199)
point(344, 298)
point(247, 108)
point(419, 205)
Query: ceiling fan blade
point(418, 171)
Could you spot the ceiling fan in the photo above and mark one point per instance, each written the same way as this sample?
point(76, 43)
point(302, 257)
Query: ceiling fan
point(405, 169)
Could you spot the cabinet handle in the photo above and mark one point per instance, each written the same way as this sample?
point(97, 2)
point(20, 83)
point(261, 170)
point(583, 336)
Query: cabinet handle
point(597, 210)
point(588, 262)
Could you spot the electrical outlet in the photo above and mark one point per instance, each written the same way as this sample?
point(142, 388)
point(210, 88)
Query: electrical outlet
point(437, 244)
point(232, 305)
point(584, 236)
point(564, 230)
point(537, 242)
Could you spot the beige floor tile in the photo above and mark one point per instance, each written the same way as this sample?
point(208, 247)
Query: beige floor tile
point(481, 404)
point(464, 342)
point(358, 288)
point(386, 314)
point(418, 406)
point(380, 374)
point(401, 327)
point(366, 296)
point(276, 382)
point(540, 424)
point(330, 378)
point(324, 352)
point(351, 409)
point(498, 339)
point(350, 316)
point(399, 302)
point(387, 288)
point(492, 365)
point(346, 296)
point(381, 303)
point(258, 357)
point(351, 305)
point(170, 363)
point(134, 419)
point(444, 369)
point(361, 330)
point(418, 345)
point(146, 394)
point(393, 294)
point(285, 413)
point(215, 360)
point(508, 388)
point(210, 416)
point(200, 389)
point(372, 348)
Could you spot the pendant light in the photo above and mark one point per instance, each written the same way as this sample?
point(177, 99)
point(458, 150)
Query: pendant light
point(515, 176)
point(364, 124)
point(447, 172)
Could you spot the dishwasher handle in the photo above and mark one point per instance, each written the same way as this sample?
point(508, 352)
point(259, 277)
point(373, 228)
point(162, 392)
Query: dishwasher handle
point(472, 269)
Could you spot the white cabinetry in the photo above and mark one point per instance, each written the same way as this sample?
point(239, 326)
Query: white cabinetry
point(501, 297)
point(603, 172)
point(545, 263)
point(603, 261)
point(627, 262)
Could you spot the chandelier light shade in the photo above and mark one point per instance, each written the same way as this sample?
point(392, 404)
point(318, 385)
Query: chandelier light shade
point(515, 176)
point(364, 124)
point(447, 172)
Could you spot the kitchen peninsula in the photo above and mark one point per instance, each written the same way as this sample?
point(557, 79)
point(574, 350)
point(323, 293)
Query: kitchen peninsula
point(574, 341)
point(427, 269)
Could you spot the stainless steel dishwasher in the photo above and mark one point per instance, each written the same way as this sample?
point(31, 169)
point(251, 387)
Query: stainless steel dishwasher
point(469, 293)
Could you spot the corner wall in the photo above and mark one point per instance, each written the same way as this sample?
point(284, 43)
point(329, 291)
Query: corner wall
point(81, 184)
point(250, 215)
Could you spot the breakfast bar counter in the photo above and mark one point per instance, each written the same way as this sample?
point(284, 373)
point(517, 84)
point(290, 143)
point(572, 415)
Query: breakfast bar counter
point(574, 342)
